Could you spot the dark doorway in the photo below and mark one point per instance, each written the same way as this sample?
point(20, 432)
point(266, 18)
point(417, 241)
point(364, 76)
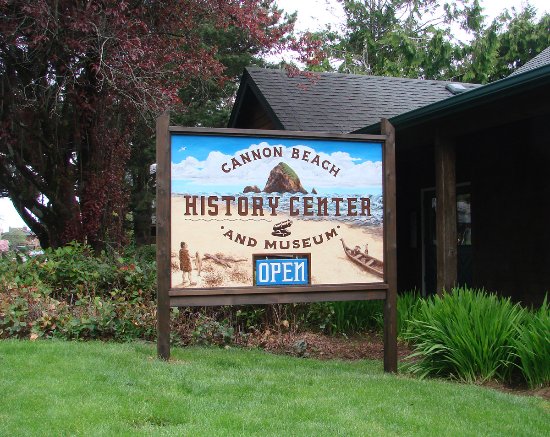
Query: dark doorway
point(429, 240)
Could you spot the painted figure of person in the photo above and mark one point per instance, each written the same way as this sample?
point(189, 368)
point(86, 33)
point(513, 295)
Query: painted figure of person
point(185, 264)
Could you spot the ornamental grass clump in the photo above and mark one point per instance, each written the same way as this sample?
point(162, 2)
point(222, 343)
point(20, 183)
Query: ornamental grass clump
point(532, 346)
point(351, 317)
point(407, 308)
point(466, 335)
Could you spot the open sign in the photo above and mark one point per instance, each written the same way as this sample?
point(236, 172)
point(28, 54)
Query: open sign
point(282, 271)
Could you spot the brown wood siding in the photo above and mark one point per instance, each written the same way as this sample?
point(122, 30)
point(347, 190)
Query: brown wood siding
point(508, 168)
point(511, 211)
point(252, 115)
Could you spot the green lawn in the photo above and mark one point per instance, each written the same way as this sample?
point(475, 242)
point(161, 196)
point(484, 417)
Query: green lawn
point(71, 388)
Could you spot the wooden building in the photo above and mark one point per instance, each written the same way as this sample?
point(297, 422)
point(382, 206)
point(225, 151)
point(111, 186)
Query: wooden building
point(472, 166)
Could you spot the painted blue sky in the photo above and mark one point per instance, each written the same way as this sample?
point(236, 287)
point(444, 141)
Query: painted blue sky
point(197, 162)
point(199, 146)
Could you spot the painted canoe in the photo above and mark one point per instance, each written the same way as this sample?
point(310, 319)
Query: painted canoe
point(367, 262)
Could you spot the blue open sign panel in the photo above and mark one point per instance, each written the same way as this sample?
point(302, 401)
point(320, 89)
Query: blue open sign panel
point(282, 271)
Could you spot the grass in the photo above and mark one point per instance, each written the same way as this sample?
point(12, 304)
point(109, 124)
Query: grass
point(106, 389)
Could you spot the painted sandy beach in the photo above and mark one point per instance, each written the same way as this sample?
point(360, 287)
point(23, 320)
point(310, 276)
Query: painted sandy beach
point(321, 238)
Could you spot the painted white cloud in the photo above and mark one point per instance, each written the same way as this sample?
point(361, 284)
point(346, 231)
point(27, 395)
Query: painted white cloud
point(353, 171)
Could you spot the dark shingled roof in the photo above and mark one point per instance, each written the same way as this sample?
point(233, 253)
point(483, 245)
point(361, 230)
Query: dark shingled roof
point(341, 103)
point(542, 59)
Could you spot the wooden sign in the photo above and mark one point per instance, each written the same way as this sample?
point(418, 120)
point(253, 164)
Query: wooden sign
point(258, 217)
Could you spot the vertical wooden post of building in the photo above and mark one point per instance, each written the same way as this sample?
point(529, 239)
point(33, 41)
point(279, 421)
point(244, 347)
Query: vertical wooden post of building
point(390, 249)
point(446, 232)
point(163, 236)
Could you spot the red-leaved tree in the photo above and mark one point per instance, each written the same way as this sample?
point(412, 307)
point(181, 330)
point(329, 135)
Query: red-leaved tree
point(77, 76)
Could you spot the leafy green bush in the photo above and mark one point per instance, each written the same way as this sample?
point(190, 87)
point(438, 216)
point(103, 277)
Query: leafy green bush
point(25, 312)
point(73, 270)
point(250, 317)
point(71, 293)
point(532, 346)
point(14, 311)
point(211, 332)
point(466, 334)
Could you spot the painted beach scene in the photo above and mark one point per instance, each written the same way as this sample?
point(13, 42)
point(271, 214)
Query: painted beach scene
point(234, 198)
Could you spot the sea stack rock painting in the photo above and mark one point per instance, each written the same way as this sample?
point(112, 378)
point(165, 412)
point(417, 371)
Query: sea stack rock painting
point(313, 191)
point(252, 189)
point(283, 179)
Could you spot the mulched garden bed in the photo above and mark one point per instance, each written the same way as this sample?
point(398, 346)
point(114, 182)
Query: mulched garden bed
point(366, 346)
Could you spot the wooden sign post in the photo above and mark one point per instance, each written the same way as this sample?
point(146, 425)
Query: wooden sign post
point(262, 217)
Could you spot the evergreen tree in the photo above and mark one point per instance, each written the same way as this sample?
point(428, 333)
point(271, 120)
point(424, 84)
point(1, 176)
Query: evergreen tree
point(413, 38)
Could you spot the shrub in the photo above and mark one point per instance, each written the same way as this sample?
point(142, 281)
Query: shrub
point(407, 308)
point(340, 317)
point(14, 311)
point(249, 317)
point(466, 334)
point(532, 346)
point(71, 293)
point(360, 316)
point(211, 332)
point(73, 270)
point(357, 316)
point(352, 317)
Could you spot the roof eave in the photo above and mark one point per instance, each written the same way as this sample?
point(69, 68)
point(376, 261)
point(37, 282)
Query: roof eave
point(495, 90)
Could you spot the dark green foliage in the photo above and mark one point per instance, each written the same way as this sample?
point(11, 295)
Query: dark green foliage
point(250, 318)
point(359, 316)
point(71, 271)
point(355, 317)
point(466, 334)
point(349, 317)
point(326, 317)
point(208, 331)
point(142, 183)
point(532, 346)
point(70, 294)
point(401, 38)
point(412, 38)
point(408, 304)
point(506, 44)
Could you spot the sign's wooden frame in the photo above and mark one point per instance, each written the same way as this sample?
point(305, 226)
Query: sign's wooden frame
point(169, 297)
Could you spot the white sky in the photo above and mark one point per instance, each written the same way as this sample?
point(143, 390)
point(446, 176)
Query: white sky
point(312, 15)
point(315, 14)
point(9, 216)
